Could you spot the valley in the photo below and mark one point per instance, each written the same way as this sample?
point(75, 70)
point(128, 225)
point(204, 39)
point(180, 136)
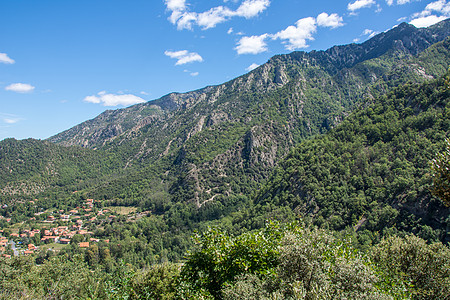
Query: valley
point(327, 151)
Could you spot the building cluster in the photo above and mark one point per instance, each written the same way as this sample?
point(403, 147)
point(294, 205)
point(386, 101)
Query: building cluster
point(58, 227)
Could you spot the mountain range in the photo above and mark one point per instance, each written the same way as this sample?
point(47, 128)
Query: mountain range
point(224, 148)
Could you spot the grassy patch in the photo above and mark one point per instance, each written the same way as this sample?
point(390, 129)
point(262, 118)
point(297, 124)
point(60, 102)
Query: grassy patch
point(122, 210)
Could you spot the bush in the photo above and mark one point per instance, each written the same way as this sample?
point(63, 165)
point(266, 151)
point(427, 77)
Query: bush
point(412, 260)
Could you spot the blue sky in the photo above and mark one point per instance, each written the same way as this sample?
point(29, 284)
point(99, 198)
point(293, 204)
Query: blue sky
point(64, 62)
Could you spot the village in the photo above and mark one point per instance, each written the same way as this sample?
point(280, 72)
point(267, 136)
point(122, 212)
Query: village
point(59, 228)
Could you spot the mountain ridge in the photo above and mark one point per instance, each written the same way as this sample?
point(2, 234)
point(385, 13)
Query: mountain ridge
point(270, 77)
point(223, 141)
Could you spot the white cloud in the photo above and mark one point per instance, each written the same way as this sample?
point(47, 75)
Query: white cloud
point(230, 31)
point(433, 13)
point(370, 33)
point(184, 57)
point(440, 6)
point(358, 4)
point(252, 8)
point(252, 44)
point(296, 37)
point(10, 118)
point(144, 93)
point(193, 74)
point(113, 100)
point(185, 19)
point(175, 5)
point(5, 59)
point(10, 121)
point(252, 67)
point(333, 20)
point(427, 21)
point(401, 2)
point(20, 87)
point(212, 17)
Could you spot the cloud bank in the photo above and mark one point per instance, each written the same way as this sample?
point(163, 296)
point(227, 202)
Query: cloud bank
point(358, 4)
point(5, 59)
point(20, 88)
point(113, 100)
point(293, 37)
point(433, 13)
point(184, 57)
point(184, 19)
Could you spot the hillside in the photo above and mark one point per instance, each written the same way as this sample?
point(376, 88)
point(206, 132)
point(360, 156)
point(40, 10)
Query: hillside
point(217, 145)
point(372, 171)
point(222, 140)
point(32, 166)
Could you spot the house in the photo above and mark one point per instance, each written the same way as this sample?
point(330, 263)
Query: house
point(27, 252)
point(50, 239)
point(64, 241)
point(83, 245)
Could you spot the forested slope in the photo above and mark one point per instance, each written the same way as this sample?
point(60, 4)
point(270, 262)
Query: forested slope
point(373, 170)
point(31, 167)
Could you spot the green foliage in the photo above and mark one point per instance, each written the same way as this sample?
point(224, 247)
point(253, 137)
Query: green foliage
point(159, 282)
point(220, 257)
point(315, 265)
point(425, 268)
point(307, 264)
point(57, 278)
point(440, 167)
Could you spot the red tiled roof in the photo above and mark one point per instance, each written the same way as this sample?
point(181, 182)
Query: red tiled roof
point(83, 245)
